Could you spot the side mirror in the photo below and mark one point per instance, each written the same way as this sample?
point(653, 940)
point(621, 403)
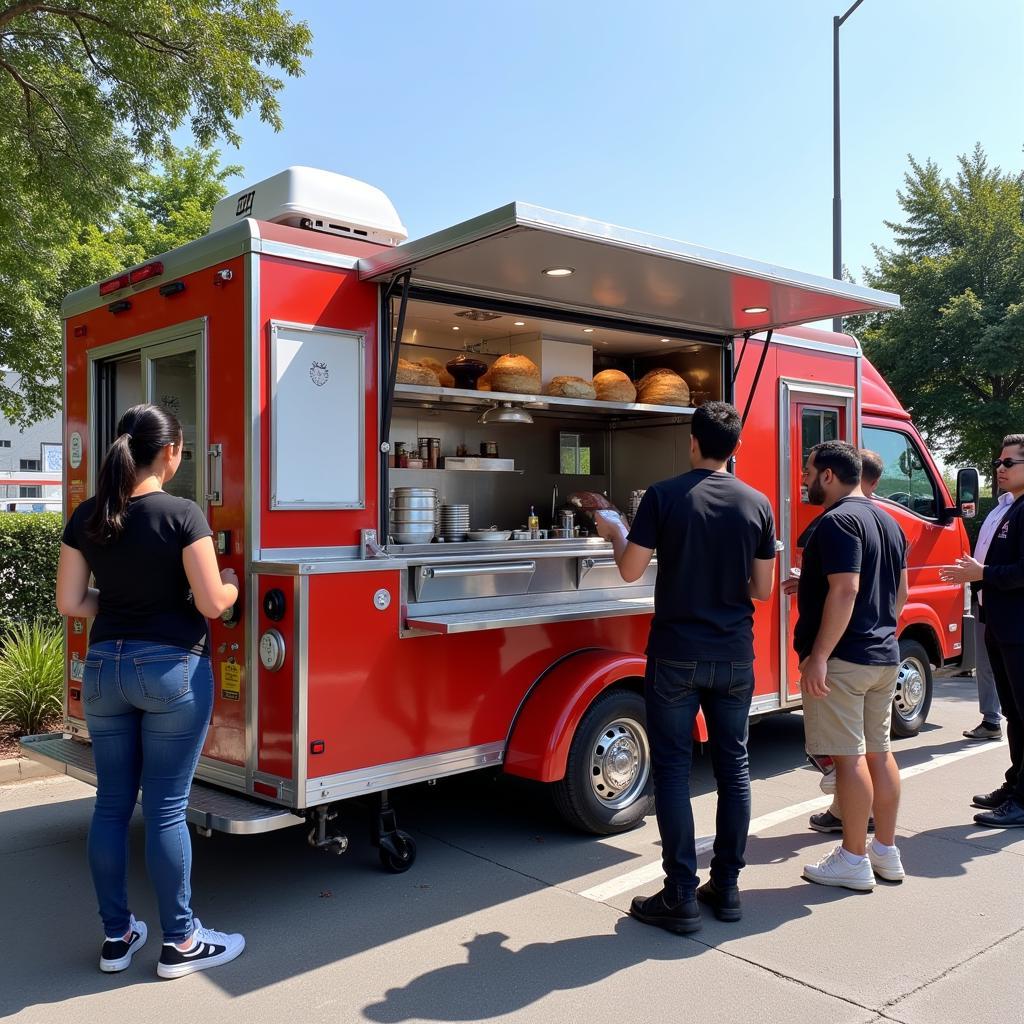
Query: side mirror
point(968, 487)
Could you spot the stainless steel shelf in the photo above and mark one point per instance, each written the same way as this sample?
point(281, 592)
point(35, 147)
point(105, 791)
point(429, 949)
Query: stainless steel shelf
point(417, 394)
point(503, 618)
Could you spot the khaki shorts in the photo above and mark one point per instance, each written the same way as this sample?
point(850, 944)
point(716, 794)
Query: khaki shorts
point(856, 715)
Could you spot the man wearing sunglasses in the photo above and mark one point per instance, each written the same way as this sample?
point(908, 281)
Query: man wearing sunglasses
point(1002, 610)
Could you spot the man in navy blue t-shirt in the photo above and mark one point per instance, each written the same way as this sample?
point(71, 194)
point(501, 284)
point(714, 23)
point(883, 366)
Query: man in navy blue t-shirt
point(715, 539)
point(853, 585)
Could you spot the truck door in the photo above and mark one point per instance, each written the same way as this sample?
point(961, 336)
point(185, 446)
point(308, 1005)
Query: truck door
point(165, 373)
point(810, 414)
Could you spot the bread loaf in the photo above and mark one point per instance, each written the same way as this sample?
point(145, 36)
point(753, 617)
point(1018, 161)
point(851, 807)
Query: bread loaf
point(484, 383)
point(614, 386)
point(444, 377)
point(570, 387)
point(515, 374)
point(413, 373)
point(663, 387)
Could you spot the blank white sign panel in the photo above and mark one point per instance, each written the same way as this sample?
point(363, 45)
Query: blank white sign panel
point(316, 418)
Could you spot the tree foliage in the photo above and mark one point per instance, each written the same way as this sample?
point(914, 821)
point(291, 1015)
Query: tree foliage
point(159, 208)
point(954, 354)
point(88, 89)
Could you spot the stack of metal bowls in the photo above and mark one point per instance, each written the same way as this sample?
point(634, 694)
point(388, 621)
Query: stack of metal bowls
point(414, 514)
point(454, 522)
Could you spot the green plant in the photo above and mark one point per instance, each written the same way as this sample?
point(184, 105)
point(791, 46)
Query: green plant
point(29, 549)
point(31, 675)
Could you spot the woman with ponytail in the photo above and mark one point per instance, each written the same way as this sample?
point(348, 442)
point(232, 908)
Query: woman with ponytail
point(147, 688)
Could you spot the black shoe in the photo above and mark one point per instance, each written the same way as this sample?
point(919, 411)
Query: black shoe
point(724, 902)
point(990, 801)
point(828, 822)
point(984, 731)
point(208, 949)
point(1009, 815)
point(680, 917)
point(117, 954)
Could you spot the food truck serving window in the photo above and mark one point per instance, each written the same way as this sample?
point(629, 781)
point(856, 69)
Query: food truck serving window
point(317, 418)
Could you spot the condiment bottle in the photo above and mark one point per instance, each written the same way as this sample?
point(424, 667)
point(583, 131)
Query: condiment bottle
point(533, 524)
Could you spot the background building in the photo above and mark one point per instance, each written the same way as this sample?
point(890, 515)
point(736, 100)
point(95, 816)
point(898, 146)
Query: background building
point(31, 463)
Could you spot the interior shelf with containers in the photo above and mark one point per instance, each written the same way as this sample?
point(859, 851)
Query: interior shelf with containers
point(620, 446)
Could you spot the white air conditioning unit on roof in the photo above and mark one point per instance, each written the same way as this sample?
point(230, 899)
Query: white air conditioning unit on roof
point(321, 200)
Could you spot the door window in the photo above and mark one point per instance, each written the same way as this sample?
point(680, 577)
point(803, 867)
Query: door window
point(818, 425)
point(905, 475)
point(173, 387)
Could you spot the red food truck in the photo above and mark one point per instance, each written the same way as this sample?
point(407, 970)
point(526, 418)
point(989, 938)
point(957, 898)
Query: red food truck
point(420, 594)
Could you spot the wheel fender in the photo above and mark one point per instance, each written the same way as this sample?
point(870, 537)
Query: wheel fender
point(916, 614)
point(538, 746)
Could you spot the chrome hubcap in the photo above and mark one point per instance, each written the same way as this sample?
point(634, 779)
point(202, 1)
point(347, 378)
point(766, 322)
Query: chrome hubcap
point(620, 763)
point(910, 688)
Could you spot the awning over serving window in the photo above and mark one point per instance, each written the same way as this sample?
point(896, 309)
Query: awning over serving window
point(509, 253)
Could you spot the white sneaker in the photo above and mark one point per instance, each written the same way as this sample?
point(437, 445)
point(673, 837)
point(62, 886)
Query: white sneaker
point(888, 864)
point(208, 949)
point(117, 954)
point(835, 869)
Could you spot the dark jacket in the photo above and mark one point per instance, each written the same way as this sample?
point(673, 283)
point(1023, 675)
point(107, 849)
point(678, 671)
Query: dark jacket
point(1002, 586)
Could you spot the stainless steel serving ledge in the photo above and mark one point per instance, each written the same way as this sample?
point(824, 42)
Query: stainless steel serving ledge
point(502, 618)
point(208, 807)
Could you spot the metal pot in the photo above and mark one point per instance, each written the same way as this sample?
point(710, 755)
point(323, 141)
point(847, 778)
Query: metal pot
point(414, 515)
point(414, 501)
point(489, 535)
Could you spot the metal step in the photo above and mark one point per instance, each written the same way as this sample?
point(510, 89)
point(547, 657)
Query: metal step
point(208, 807)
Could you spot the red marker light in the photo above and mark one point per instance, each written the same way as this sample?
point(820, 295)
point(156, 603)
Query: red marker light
point(145, 272)
point(115, 284)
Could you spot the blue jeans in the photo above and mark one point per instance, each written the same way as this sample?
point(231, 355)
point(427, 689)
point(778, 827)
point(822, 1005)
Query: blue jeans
point(674, 692)
point(148, 708)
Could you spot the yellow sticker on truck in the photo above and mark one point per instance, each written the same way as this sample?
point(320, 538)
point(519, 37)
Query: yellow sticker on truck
point(231, 680)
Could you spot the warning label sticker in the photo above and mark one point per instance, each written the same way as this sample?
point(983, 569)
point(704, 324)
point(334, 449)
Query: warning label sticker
point(231, 680)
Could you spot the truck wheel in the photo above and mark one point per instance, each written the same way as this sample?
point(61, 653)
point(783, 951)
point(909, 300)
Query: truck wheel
point(607, 786)
point(913, 697)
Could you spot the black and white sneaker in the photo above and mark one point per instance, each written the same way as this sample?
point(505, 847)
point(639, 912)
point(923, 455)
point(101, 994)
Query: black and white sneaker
point(208, 949)
point(117, 954)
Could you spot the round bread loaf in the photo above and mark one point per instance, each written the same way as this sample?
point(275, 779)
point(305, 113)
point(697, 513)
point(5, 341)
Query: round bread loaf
point(570, 387)
point(663, 387)
point(515, 374)
point(614, 386)
point(437, 368)
point(484, 382)
point(413, 373)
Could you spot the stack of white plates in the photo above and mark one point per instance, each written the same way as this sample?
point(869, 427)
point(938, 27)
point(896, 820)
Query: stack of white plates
point(414, 514)
point(454, 522)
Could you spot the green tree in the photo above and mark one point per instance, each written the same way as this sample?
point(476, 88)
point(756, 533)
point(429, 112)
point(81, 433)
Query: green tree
point(160, 208)
point(88, 88)
point(954, 354)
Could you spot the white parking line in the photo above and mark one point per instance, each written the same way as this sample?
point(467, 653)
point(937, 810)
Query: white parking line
point(653, 871)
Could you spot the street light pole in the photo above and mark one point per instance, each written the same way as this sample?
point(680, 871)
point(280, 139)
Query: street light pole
point(837, 200)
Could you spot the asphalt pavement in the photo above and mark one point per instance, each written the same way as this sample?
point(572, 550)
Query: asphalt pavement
point(508, 916)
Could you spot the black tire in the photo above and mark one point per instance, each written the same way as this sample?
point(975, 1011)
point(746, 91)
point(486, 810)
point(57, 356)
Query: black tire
point(913, 698)
point(404, 858)
point(612, 733)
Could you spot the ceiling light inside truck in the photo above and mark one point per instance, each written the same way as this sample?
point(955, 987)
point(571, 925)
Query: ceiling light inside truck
point(478, 315)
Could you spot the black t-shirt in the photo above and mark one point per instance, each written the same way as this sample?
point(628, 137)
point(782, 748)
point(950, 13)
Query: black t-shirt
point(707, 528)
point(854, 536)
point(144, 592)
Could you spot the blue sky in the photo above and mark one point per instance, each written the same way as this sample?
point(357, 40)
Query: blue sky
point(710, 122)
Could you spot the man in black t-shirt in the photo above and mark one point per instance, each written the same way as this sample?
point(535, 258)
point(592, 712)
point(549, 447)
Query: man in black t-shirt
point(853, 585)
point(715, 539)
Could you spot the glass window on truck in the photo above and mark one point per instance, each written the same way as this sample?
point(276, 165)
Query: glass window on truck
point(905, 476)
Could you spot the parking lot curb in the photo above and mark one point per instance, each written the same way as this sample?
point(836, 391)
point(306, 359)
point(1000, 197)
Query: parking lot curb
point(21, 769)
